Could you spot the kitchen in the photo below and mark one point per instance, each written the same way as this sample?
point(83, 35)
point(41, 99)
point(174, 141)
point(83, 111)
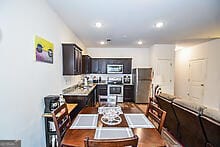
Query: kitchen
point(112, 75)
point(25, 82)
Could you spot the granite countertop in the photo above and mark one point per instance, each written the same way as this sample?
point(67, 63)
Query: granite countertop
point(79, 91)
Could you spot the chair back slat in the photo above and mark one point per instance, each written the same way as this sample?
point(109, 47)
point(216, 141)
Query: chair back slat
point(154, 117)
point(63, 127)
point(62, 115)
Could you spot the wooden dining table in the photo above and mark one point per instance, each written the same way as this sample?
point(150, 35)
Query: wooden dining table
point(148, 137)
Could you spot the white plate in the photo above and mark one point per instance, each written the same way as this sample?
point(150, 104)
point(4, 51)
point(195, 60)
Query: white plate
point(115, 121)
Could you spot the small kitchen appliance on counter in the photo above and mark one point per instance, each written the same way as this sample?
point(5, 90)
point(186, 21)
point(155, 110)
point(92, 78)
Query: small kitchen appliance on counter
point(51, 103)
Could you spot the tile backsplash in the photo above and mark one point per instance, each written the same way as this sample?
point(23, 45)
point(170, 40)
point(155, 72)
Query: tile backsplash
point(104, 77)
point(72, 80)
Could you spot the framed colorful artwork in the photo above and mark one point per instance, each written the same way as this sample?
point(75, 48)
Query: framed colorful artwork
point(44, 50)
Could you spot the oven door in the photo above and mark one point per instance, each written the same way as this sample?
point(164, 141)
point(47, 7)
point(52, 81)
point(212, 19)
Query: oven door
point(115, 90)
point(114, 68)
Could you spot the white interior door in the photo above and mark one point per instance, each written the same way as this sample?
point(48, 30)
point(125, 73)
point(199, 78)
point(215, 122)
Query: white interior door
point(164, 75)
point(197, 75)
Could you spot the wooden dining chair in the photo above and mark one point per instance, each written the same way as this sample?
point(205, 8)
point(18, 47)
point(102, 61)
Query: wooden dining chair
point(61, 121)
point(152, 100)
point(107, 100)
point(156, 115)
point(132, 141)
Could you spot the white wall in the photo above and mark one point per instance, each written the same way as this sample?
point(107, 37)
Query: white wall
point(24, 82)
point(140, 56)
point(163, 51)
point(210, 51)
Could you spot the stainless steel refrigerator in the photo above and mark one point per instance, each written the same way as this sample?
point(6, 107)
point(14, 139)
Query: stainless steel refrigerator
point(142, 79)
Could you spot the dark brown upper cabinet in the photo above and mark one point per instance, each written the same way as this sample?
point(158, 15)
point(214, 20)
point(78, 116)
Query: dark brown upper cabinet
point(95, 65)
point(72, 59)
point(86, 64)
point(127, 63)
point(102, 66)
point(99, 65)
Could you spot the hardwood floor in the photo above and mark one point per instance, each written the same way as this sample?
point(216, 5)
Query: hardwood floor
point(143, 107)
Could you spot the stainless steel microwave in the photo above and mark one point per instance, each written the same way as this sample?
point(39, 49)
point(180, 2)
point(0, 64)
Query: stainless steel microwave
point(114, 68)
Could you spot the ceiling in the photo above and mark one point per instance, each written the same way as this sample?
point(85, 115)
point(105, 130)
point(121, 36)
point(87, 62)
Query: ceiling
point(127, 21)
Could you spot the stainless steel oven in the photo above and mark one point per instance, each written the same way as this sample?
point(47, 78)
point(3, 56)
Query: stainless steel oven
point(116, 90)
point(114, 68)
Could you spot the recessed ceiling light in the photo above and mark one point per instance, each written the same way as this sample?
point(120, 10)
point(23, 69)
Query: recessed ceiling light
point(140, 42)
point(159, 25)
point(102, 42)
point(98, 24)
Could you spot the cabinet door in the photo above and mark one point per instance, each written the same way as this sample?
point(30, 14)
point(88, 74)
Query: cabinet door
point(90, 101)
point(95, 65)
point(72, 59)
point(80, 62)
point(127, 66)
point(101, 90)
point(102, 66)
point(77, 61)
point(68, 60)
point(89, 64)
point(128, 93)
point(86, 64)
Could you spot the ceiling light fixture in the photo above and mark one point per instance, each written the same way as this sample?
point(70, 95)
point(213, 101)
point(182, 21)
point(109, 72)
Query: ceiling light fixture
point(159, 24)
point(102, 42)
point(98, 24)
point(140, 42)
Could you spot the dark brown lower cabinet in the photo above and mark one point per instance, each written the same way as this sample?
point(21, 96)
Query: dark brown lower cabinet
point(128, 93)
point(101, 90)
point(82, 102)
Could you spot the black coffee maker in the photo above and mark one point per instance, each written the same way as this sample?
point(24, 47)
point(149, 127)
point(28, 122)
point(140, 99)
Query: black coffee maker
point(51, 103)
